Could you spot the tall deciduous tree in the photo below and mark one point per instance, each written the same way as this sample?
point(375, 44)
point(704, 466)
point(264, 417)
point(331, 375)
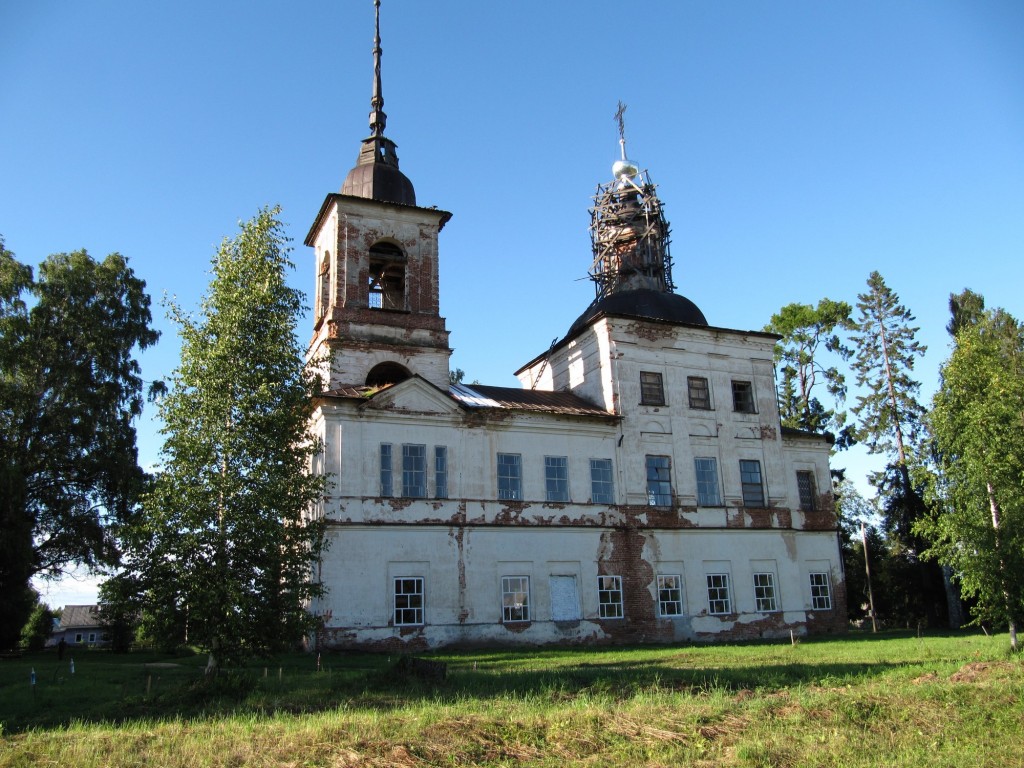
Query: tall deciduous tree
point(808, 333)
point(70, 390)
point(225, 549)
point(978, 425)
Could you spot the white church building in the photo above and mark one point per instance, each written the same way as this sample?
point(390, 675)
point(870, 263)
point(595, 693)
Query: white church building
point(638, 488)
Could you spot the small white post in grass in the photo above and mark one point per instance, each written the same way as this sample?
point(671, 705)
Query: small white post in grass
point(72, 666)
point(792, 638)
point(32, 681)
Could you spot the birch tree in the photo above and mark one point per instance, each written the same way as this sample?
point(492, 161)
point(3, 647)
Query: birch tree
point(225, 551)
point(978, 425)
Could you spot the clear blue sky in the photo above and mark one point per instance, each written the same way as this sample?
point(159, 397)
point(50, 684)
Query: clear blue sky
point(797, 146)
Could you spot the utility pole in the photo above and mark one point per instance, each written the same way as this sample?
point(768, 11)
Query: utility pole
point(867, 570)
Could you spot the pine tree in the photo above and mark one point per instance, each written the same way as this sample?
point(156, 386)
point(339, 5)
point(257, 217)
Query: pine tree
point(225, 550)
point(886, 348)
point(890, 423)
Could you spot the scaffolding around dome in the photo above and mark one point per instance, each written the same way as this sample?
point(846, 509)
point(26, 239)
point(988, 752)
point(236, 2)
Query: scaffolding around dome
point(629, 238)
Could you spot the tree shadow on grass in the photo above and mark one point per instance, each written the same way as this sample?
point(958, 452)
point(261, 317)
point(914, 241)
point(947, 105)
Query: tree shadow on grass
point(118, 689)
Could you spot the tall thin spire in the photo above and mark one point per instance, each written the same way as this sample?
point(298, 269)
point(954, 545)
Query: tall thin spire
point(377, 117)
point(376, 175)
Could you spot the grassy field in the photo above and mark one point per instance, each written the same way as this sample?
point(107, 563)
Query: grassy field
point(862, 700)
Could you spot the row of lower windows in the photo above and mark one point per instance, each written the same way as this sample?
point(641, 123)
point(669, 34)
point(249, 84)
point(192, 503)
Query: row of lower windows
point(409, 594)
point(509, 467)
point(698, 391)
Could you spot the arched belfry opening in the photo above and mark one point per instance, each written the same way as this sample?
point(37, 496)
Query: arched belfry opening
point(383, 374)
point(386, 282)
point(323, 286)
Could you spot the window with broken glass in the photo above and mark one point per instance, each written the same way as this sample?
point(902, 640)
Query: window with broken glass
point(408, 600)
point(652, 388)
point(659, 481)
point(808, 492)
point(764, 592)
point(719, 601)
point(515, 598)
point(699, 393)
point(821, 592)
point(670, 595)
point(743, 396)
point(609, 597)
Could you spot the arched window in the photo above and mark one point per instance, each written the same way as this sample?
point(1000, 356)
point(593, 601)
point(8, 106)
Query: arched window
point(387, 277)
point(386, 373)
point(324, 286)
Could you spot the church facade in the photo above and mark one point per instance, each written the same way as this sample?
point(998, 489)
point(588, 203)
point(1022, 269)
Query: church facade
point(638, 488)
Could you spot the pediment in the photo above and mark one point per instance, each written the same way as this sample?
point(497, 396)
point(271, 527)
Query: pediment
point(414, 395)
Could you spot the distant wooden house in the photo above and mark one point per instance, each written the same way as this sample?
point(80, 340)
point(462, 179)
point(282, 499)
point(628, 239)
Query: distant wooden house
point(81, 625)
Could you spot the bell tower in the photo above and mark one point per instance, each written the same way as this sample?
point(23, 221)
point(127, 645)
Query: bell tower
point(376, 315)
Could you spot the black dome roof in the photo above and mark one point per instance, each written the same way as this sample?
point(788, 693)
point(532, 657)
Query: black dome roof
point(642, 303)
point(379, 181)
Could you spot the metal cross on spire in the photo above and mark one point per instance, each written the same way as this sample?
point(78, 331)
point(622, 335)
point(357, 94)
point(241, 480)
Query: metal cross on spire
point(619, 117)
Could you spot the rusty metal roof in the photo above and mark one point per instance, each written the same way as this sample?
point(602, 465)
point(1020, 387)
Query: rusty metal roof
point(513, 398)
point(480, 396)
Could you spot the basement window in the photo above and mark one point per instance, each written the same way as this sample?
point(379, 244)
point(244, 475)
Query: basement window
point(821, 592)
point(670, 595)
point(515, 598)
point(609, 597)
point(719, 601)
point(408, 601)
point(386, 277)
point(764, 592)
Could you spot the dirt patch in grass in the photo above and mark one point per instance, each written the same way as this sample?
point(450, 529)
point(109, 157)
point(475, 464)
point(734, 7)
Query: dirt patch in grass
point(981, 671)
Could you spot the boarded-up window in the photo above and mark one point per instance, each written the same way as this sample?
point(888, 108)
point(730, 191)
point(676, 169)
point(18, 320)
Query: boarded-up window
point(565, 599)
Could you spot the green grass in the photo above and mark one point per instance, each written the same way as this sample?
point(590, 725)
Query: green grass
point(862, 700)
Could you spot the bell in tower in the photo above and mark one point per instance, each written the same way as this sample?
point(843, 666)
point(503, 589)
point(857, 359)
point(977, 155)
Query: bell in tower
point(377, 312)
